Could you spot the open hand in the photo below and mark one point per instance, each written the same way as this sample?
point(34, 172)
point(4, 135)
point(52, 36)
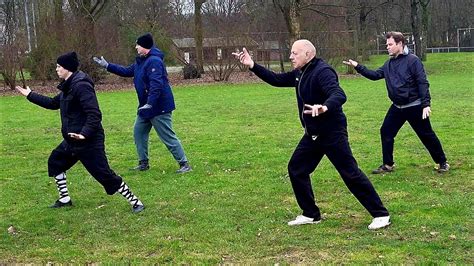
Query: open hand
point(244, 57)
point(315, 110)
point(426, 112)
point(101, 61)
point(23, 91)
point(76, 136)
point(350, 62)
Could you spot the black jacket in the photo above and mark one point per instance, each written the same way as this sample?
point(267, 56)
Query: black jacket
point(79, 108)
point(315, 83)
point(405, 79)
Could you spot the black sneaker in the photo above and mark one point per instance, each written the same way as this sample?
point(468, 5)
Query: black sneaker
point(138, 208)
point(443, 167)
point(383, 169)
point(184, 168)
point(142, 166)
point(59, 204)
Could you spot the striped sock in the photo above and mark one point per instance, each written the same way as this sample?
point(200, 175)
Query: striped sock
point(128, 194)
point(62, 187)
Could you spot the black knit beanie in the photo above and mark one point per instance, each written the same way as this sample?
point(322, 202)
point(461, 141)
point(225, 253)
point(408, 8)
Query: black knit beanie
point(69, 61)
point(145, 41)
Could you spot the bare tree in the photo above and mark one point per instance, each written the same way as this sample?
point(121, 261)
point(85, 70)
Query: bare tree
point(11, 46)
point(87, 12)
point(419, 23)
point(291, 10)
point(198, 34)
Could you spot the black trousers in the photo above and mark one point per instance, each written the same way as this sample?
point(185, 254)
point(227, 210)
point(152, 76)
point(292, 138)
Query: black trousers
point(306, 158)
point(394, 120)
point(92, 156)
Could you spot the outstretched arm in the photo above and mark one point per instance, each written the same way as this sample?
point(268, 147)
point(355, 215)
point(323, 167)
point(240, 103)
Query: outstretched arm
point(364, 71)
point(278, 80)
point(114, 68)
point(38, 99)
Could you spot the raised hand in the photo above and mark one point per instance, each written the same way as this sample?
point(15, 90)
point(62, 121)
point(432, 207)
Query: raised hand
point(23, 91)
point(350, 62)
point(244, 57)
point(101, 61)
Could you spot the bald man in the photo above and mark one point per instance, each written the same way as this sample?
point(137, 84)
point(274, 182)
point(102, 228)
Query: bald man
point(320, 100)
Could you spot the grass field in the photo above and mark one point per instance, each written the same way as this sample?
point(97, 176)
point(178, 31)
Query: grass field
point(234, 206)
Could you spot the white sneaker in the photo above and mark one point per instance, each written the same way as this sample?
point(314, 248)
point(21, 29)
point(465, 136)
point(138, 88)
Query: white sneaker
point(379, 222)
point(301, 219)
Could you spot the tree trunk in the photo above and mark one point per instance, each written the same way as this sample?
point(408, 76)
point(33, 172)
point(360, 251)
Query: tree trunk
point(415, 25)
point(425, 18)
point(59, 19)
point(198, 38)
point(291, 14)
point(88, 12)
point(27, 23)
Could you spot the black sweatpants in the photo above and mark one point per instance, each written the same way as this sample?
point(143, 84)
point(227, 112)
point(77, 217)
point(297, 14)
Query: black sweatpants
point(92, 156)
point(394, 120)
point(306, 158)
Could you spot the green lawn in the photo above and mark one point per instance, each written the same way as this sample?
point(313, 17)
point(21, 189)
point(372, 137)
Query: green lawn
point(234, 206)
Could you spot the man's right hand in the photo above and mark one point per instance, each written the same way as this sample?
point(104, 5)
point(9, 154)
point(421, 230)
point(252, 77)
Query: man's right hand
point(101, 61)
point(23, 91)
point(244, 58)
point(350, 62)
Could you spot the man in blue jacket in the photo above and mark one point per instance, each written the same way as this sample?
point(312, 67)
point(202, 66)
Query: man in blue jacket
point(155, 101)
point(320, 100)
point(82, 132)
point(408, 89)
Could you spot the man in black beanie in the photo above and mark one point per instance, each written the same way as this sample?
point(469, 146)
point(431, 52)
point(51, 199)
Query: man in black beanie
point(155, 101)
point(82, 132)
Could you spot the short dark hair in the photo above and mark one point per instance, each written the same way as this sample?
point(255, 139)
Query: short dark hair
point(397, 36)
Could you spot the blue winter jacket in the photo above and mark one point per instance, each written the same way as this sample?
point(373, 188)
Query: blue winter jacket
point(151, 83)
point(405, 79)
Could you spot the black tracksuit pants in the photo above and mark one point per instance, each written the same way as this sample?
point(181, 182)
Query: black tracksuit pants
point(394, 120)
point(92, 156)
point(306, 158)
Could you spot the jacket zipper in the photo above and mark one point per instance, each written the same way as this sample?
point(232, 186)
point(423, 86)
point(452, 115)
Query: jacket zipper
point(299, 94)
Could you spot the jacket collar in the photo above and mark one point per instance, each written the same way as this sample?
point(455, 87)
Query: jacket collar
point(310, 64)
point(65, 85)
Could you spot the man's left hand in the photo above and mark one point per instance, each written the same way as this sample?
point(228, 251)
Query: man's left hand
point(146, 106)
point(426, 112)
point(76, 136)
point(315, 110)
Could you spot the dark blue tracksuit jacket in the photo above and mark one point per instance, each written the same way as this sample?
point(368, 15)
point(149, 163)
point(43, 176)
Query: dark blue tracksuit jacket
point(151, 83)
point(315, 83)
point(405, 79)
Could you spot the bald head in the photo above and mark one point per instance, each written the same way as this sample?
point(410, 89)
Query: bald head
point(302, 52)
point(305, 46)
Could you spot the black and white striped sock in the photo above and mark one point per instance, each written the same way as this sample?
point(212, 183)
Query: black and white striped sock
point(62, 187)
point(128, 194)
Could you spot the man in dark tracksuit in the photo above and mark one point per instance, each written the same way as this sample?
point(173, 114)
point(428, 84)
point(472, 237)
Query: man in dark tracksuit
point(320, 100)
point(82, 132)
point(408, 89)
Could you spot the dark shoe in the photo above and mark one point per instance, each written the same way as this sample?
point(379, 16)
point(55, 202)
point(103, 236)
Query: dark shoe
point(184, 168)
point(142, 166)
point(59, 204)
point(138, 208)
point(443, 167)
point(383, 169)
